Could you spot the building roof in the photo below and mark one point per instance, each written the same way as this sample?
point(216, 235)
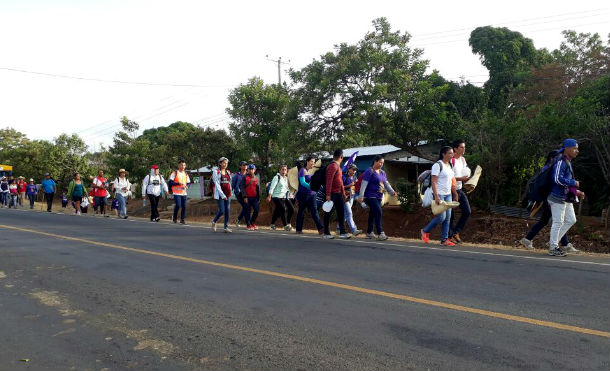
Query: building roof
point(204, 170)
point(413, 160)
point(371, 151)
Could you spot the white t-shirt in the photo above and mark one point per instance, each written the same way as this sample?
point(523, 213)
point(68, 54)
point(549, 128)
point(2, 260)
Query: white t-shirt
point(443, 183)
point(460, 169)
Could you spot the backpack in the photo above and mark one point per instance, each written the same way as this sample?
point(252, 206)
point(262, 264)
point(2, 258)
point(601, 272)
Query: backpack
point(358, 183)
point(425, 178)
point(318, 179)
point(540, 185)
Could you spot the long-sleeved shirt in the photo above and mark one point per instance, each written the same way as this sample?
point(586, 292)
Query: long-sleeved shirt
point(236, 181)
point(563, 178)
point(334, 179)
point(154, 185)
point(374, 184)
point(279, 186)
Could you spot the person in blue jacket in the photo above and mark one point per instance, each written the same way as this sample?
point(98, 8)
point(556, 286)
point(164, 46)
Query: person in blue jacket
point(563, 195)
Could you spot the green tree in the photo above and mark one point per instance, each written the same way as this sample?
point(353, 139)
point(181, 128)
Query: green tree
point(263, 120)
point(373, 92)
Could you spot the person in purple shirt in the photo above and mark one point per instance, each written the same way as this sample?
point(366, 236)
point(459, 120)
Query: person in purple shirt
point(31, 190)
point(374, 185)
point(349, 183)
point(307, 198)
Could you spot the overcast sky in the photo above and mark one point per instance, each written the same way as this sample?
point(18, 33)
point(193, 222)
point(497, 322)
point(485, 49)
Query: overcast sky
point(215, 47)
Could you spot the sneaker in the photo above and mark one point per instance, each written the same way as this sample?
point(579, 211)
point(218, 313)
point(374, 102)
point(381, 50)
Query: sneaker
point(357, 232)
point(228, 230)
point(181, 222)
point(288, 227)
point(382, 236)
point(557, 252)
point(447, 242)
point(125, 217)
point(298, 232)
point(157, 219)
point(345, 236)
point(328, 237)
point(213, 226)
point(74, 212)
point(272, 226)
point(570, 248)
point(255, 226)
point(456, 238)
point(237, 225)
point(371, 236)
point(78, 213)
point(250, 227)
point(175, 221)
point(320, 232)
point(425, 236)
point(526, 243)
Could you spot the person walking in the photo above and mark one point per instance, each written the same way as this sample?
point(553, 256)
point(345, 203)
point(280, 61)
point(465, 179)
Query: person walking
point(545, 217)
point(153, 187)
point(122, 189)
point(349, 184)
point(462, 174)
point(21, 186)
point(100, 192)
point(49, 187)
point(76, 192)
point(374, 185)
point(278, 193)
point(442, 189)
point(179, 183)
point(335, 192)
point(564, 194)
point(251, 191)
point(4, 192)
point(221, 178)
point(307, 198)
point(236, 181)
point(13, 194)
point(31, 191)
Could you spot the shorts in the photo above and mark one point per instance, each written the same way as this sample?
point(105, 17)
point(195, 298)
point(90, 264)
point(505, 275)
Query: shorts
point(77, 198)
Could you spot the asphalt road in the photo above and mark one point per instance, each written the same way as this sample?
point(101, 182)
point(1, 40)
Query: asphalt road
point(90, 293)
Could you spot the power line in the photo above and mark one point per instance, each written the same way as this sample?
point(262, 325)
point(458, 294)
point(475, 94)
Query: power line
point(113, 81)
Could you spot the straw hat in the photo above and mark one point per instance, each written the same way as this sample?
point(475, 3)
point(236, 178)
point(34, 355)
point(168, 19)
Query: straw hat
point(443, 206)
point(31, 180)
point(123, 171)
point(293, 178)
point(471, 184)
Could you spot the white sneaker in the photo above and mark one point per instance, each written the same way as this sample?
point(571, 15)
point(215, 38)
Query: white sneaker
point(382, 236)
point(214, 226)
point(526, 243)
point(288, 228)
point(328, 237)
point(357, 232)
point(228, 230)
point(78, 213)
point(370, 236)
point(345, 236)
point(570, 248)
point(272, 226)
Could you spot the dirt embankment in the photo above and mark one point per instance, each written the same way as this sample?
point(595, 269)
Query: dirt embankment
point(482, 228)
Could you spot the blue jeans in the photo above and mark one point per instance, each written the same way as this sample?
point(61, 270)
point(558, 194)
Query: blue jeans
point(374, 205)
point(4, 198)
point(464, 213)
point(180, 203)
point(349, 215)
point(224, 207)
point(122, 204)
point(443, 218)
point(242, 214)
point(252, 204)
point(307, 202)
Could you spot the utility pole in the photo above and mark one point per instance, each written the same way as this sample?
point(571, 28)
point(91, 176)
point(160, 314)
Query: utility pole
point(279, 67)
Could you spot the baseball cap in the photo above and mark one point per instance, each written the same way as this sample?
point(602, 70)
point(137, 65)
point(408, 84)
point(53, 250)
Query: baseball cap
point(47, 174)
point(154, 167)
point(242, 163)
point(251, 166)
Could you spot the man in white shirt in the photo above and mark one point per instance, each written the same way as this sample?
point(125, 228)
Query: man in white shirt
point(462, 174)
point(154, 187)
